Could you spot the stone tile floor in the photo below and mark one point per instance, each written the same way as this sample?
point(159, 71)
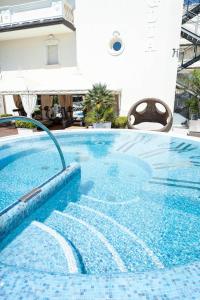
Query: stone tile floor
point(6, 131)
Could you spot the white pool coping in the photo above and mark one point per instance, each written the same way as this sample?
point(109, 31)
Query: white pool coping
point(90, 130)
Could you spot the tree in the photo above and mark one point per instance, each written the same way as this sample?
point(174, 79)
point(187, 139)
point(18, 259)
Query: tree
point(192, 82)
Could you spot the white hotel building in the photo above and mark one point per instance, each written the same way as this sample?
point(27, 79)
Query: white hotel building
point(59, 47)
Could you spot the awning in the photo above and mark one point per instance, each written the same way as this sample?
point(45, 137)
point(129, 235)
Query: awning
point(46, 82)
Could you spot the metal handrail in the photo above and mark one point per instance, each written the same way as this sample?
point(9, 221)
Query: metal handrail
point(39, 124)
point(190, 34)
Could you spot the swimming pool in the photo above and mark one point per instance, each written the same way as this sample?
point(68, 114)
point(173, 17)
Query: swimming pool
point(135, 210)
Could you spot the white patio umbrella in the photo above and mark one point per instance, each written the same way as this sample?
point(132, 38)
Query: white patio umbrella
point(29, 102)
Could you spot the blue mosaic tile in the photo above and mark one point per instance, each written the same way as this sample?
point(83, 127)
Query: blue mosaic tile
point(14, 216)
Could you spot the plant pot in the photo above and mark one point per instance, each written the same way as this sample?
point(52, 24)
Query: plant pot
point(194, 125)
point(26, 131)
point(102, 125)
point(193, 116)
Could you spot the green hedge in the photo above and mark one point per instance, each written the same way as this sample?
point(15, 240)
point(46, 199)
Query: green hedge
point(24, 124)
point(120, 122)
point(5, 115)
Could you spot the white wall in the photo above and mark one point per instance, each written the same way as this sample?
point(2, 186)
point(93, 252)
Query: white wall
point(136, 71)
point(27, 54)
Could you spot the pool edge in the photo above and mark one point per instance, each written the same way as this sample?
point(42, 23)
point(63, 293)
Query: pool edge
point(21, 209)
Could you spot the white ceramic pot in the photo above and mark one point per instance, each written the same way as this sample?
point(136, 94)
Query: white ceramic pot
point(102, 125)
point(26, 131)
point(194, 125)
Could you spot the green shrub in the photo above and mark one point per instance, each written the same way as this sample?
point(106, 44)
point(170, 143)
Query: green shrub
point(120, 122)
point(89, 119)
point(24, 124)
point(193, 108)
point(5, 115)
point(193, 105)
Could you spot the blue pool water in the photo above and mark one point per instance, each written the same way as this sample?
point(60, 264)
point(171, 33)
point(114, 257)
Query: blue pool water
point(136, 207)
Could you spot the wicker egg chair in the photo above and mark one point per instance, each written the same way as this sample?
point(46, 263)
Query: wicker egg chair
point(150, 114)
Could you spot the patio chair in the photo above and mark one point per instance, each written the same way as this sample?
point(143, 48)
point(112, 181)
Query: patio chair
point(150, 114)
point(66, 119)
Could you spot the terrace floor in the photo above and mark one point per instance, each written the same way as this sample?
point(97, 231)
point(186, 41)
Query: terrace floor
point(11, 130)
point(6, 131)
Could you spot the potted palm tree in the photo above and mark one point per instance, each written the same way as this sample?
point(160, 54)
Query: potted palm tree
point(98, 107)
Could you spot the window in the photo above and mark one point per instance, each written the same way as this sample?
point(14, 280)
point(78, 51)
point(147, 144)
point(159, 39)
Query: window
point(52, 54)
point(52, 50)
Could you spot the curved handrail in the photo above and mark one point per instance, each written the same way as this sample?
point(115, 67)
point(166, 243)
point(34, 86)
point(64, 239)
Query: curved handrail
point(39, 124)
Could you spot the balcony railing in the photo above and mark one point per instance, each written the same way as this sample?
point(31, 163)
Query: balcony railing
point(188, 55)
point(35, 11)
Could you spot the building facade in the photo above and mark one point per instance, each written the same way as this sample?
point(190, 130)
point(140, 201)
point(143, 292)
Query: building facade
point(59, 48)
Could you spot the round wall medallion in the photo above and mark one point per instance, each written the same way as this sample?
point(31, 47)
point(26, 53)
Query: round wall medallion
point(116, 45)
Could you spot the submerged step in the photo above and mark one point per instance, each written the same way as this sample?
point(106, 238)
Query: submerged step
point(42, 249)
point(131, 248)
point(98, 255)
point(67, 248)
point(167, 225)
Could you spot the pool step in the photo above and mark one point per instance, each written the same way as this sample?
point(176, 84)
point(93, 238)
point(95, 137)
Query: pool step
point(97, 254)
point(131, 248)
point(40, 248)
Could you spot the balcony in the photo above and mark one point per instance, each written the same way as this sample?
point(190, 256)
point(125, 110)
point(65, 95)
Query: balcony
point(188, 56)
point(22, 20)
